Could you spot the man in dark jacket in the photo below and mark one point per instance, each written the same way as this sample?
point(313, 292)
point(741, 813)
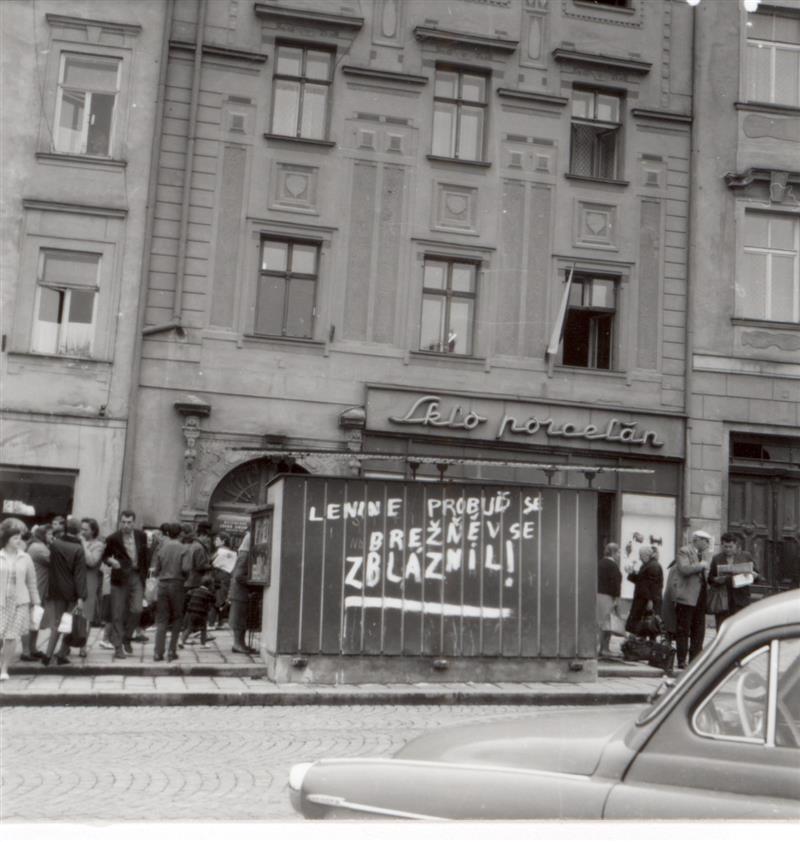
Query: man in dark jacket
point(171, 566)
point(66, 584)
point(648, 583)
point(126, 554)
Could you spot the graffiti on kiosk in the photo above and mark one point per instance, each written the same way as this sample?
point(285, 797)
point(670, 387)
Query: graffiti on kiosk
point(427, 412)
point(463, 535)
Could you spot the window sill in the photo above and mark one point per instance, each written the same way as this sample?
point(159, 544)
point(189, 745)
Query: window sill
point(765, 323)
point(443, 160)
point(767, 107)
point(307, 141)
point(282, 341)
point(613, 182)
point(442, 357)
point(82, 160)
point(64, 358)
point(603, 372)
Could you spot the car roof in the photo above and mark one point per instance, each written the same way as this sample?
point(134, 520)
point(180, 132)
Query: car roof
point(779, 610)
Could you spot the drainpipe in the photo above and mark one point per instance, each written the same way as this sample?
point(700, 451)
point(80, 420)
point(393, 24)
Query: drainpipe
point(692, 253)
point(150, 212)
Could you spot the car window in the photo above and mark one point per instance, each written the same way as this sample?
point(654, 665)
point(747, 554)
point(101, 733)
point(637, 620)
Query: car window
point(737, 707)
point(787, 713)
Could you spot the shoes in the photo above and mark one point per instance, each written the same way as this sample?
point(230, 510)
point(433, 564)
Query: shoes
point(119, 652)
point(104, 644)
point(4, 676)
point(39, 655)
point(173, 656)
point(680, 665)
point(82, 652)
point(240, 651)
point(209, 638)
point(158, 657)
point(140, 638)
point(28, 658)
point(46, 661)
point(128, 648)
point(204, 646)
point(251, 651)
point(62, 660)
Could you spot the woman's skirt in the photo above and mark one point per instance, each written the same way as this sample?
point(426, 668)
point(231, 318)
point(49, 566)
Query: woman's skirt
point(15, 620)
point(605, 604)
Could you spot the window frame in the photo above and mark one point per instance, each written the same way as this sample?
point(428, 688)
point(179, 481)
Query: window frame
point(449, 294)
point(773, 46)
point(64, 54)
point(597, 125)
point(290, 242)
point(770, 252)
point(582, 277)
point(302, 80)
point(460, 103)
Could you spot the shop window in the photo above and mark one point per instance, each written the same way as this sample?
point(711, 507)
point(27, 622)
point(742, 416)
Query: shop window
point(36, 495)
point(459, 114)
point(588, 340)
point(448, 306)
point(769, 286)
point(301, 91)
point(287, 288)
point(87, 99)
point(596, 134)
point(773, 58)
point(67, 288)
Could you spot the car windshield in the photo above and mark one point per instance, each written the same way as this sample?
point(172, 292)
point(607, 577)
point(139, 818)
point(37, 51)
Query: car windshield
point(666, 691)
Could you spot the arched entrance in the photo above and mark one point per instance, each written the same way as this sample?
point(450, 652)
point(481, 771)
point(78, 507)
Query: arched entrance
point(242, 490)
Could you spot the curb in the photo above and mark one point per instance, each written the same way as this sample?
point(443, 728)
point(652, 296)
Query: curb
point(319, 697)
point(74, 670)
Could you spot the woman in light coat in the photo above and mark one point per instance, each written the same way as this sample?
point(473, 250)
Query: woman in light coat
point(93, 546)
point(18, 591)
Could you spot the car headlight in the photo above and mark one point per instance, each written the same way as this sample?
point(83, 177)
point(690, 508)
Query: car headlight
point(297, 774)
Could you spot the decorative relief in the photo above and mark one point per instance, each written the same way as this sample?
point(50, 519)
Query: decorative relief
point(387, 22)
point(596, 225)
point(533, 47)
point(780, 128)
point(382, 134)
point(761, 339)
point(537, 156)
point(456, 207)
point(295, 188)
point(652, 173)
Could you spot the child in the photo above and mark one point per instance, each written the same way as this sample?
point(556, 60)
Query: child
point(200, 600)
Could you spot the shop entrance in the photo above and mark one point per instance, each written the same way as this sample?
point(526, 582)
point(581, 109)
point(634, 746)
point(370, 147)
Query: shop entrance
point(764, 505)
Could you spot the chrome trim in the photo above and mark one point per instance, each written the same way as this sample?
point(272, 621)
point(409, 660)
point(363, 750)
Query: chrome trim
point(336, 801)
point(738, 664)
point(772, 693)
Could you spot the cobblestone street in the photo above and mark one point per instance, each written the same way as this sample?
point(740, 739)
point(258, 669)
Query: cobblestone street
point(155, 764)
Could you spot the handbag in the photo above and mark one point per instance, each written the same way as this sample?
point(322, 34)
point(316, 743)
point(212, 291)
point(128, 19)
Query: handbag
point(37, 612)
point(636, 649)
point(662, 655)
point(717, 600)
point(80, 631)
point(65, 624)
point(151, 590)
point(615, 624)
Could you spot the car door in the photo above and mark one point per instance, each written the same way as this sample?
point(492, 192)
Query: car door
point(729, 748)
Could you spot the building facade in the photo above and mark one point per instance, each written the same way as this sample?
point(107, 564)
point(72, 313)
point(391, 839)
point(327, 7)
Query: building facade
point(745, 270)
point(456, 231)
point(79, 111)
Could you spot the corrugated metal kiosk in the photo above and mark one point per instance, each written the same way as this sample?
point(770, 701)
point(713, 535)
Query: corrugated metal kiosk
point(403, 581)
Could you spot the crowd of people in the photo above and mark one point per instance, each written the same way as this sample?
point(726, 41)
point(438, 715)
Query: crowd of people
point(190, 578)
point(697, 584)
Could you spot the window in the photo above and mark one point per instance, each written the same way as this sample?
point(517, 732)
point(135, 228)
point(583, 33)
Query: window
point(65, 302)
point(287, 288)
point(448, 306)
point(87, 96)
point(459, 114)
point(773, 59)
point(787, 707)
point(301, 87)
point(769, 285)
point(596, 134)
point(589, 322)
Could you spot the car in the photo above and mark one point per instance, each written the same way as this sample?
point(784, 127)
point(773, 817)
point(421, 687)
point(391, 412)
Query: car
point(721, 742)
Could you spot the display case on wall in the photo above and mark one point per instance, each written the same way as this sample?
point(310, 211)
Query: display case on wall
point(258, 563)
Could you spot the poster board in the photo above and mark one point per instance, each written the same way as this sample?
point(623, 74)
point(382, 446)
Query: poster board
point(259, 560)
point(647, 519)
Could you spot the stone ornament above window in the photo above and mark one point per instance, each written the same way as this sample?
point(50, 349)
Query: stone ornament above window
point(596, 226)
point(455, 208)
point(295, 188)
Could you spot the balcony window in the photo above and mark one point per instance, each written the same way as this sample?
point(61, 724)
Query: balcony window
point(448, 306)
point(87, 98)
point(65, 305)
point(773, 59)
point(301, 89)
point(769, 286)
point(287, 288)
point(596, 134)
point(459, 114)
point(588, 339)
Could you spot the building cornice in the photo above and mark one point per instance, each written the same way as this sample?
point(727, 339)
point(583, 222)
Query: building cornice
point(378, 75)
point(286, 14)
point(767, 175)
point(768, 108)
point(661, 116)
point(533, 97)
point(220, 52)
point(85, 23)
point(70, 207)
point(453, 38)
point(629, 65)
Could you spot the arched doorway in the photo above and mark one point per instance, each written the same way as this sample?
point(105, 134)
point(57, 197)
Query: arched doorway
point(241, 491)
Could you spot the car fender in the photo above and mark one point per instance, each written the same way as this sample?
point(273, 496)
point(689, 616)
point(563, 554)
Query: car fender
point(430, 790)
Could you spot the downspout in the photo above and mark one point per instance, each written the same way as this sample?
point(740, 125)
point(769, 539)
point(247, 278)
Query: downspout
point(150, 212)
point(688, 389)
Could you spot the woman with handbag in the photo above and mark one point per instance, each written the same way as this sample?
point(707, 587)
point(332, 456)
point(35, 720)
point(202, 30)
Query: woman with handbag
point(93, 546)
point(18, 590)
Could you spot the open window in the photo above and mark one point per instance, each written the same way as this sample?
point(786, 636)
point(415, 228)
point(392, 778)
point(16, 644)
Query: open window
point(596, 134)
